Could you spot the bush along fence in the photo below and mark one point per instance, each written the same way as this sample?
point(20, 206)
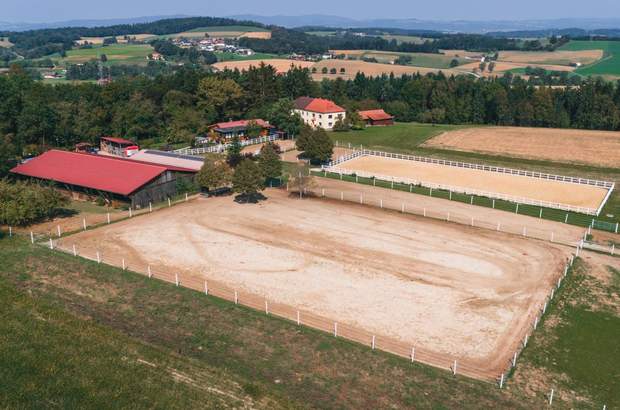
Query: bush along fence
point(552, 214)
point(72, 225)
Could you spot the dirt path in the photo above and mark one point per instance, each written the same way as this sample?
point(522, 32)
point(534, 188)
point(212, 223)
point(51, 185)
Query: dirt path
point(459, 212)
point(447, 288)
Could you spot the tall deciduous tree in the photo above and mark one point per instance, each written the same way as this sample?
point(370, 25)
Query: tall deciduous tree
point(213, 175)
point(248, 179)
point(281, 115)
point(269, 161)
point(220, 97)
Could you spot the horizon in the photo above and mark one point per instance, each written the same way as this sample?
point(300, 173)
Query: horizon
point(40, 12)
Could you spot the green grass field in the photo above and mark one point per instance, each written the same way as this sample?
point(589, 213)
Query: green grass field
point(404, 39)
point(608, 66)
point(243, 29)
point(116, 54)
point(407, 137)
point(226, 56)
point(78, 334)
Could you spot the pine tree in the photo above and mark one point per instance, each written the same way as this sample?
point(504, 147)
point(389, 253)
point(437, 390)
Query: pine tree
point(233, 155)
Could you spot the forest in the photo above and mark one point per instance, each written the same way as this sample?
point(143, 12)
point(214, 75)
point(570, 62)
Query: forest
point(178, 106)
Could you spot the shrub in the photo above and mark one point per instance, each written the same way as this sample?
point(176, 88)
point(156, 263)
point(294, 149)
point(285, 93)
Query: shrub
point(23, 203)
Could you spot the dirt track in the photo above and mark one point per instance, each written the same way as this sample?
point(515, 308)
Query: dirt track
point(443, 287)
point(495, 182)
point(600, 148)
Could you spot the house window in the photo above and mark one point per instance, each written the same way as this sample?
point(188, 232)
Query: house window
point(329, 125)
point(329, 116)
point(313, 115)
point(320, 115)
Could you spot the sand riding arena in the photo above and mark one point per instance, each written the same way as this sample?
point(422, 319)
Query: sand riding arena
point(580, 195)
point(441, 292)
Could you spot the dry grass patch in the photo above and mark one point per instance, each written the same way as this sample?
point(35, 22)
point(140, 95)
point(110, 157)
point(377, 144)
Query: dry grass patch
point(370, 69)
point(281, 65)
point(552, 57)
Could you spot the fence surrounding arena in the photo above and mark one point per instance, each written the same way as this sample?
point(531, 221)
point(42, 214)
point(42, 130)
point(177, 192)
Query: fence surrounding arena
point(609, 186)
point(223, 147)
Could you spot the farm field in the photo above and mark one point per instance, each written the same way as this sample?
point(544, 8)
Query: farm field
point(317, 249)
point(503, 66)
point(563, 57)
point(608, 66)
point(228, 56)
point(370, 69)
point(535, 189)
point(223, 32)
point(417, 59)
point(601, 148)
point(116, 54)
point(281, 65)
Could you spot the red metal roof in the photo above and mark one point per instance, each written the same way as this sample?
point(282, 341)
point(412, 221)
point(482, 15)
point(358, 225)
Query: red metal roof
point(241, 123)
point(98, 172)
point(319, 105)
point(375, 115)
point(116, 140)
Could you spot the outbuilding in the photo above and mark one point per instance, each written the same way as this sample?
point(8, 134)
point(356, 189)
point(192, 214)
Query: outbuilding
point(376, 117)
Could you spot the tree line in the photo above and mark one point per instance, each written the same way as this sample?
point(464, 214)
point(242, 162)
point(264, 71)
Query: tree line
point(178, 106)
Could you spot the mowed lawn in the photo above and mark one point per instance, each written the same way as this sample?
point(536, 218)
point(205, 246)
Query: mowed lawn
point(116, 54)
point(609, 65)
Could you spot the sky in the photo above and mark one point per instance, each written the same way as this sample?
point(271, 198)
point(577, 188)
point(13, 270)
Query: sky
point(62, 10)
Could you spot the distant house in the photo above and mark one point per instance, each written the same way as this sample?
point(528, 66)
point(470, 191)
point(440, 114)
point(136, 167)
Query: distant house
point(117, 180)
point(231, 129)
point(318, 112)
point(376, 117)
point(119, 147)
point(156, 57)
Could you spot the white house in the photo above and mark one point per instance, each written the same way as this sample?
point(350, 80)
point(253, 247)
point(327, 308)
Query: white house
point(318, 112)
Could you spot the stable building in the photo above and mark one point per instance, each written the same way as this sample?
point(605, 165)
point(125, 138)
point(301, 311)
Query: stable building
point(116, 180)
point(318, 112)
point(223, 131)
point(376, 117)
point(119, 147)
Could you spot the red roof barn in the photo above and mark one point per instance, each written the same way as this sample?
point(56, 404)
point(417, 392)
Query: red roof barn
point(134, 181)
point(376, 117)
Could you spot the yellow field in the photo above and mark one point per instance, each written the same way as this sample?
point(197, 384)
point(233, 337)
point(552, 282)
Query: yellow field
point(503, 66)
point(371, 69)
point(222, 34)
point(281, 65)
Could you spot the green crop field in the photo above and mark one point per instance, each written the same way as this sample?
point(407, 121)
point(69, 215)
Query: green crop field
point(79, 334)
point(608, 66)
point(243, 29)
point(116, 54)
point(226, 56)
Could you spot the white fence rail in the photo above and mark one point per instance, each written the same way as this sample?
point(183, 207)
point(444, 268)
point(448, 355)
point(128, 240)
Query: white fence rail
point(223, 147)
point(530, 174)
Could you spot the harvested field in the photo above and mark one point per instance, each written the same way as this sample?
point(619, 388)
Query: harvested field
point(600, 148)
point(460, 291)
point(281, 65)
point(352, 67)
point(552, 57)
point(503, 66)
point(535, 189)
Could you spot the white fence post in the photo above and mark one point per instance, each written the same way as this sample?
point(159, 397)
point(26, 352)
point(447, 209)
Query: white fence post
point(98, 257)
point(148, 270)
point(501, 381)
point(552, 235)
point(335, 329)
point(517, 209)
point(412, 354)
point(266, 307)
point(551, 397)
point(566, 219)
point(176, 278)
point(206, 289)
point(108, 217)
point(58, 229)
point(186, 197)
point(169, 204)
point(10, 231)
point(494, 208)
point(514, 360)
point(298, 319)
point(84, 223)
point(150, 207)
point(51, 244)
point(373, 342)
point(236, 298)
point(31, 237)
point(472, 200)
point(123, 263)
point(454, 369)
point(74, 250)
point(341, 196)
point(130, 214)
point(540, 215)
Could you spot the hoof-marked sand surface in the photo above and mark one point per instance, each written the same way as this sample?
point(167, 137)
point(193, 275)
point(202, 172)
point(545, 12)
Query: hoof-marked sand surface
point(443, 287)
point(600, 148)
point(494, 182)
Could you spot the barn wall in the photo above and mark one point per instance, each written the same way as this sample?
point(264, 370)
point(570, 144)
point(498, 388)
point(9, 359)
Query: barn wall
point(158, 190)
